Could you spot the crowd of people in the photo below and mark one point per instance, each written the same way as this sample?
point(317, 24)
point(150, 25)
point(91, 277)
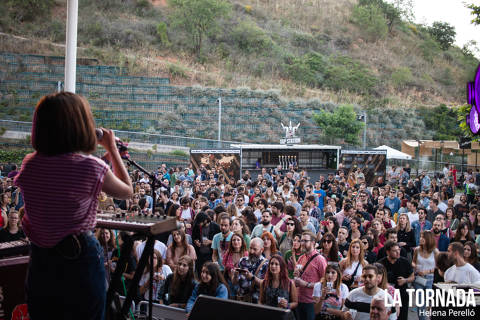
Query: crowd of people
point(324, 249)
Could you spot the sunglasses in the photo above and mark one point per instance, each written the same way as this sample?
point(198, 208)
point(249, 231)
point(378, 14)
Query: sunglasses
point(328, 241)
point(290, 224)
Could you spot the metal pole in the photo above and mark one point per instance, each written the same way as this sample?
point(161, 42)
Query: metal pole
point(219, 121)
point(71, 46)
point(365, 130)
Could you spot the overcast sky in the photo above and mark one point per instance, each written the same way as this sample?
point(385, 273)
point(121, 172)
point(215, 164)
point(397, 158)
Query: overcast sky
point(452, 11)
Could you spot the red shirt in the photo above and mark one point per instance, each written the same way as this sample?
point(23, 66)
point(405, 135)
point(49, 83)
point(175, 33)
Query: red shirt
point(314, 272)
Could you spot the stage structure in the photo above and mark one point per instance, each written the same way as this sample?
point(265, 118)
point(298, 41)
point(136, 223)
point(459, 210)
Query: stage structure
point(225, 161)
point(315, 159)
point(373, 163)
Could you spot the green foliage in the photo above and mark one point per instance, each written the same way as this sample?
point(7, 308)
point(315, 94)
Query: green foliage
point(180, 153)
point(309, 69)
point(162, 33)
point(462, 112)
point(341, 124)
point(475, 13)
point(335, 72)
point(371, 20)
point(13, 156)
point(443, 33)
point(391, 13)
point(199, 18)
point(29, 10)
point(345, 73)
point(250, 38)
point(177, 71)
point(402, 77)
point(429, 49)
point(443, 121)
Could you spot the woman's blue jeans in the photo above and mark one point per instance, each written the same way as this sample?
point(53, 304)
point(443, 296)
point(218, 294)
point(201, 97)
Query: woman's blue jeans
point(417, 286)
point(60, 288)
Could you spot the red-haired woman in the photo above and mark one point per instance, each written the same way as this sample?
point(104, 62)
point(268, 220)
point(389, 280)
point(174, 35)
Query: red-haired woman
point(277, 290)
point(269, 244)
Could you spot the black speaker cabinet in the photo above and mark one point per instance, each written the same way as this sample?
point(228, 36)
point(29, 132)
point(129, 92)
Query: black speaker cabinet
point(212, 308)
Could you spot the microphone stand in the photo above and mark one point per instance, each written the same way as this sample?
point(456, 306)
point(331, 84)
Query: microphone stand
point(150, 244)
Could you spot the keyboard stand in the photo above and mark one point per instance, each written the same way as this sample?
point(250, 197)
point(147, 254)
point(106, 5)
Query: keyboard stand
point(117, 311)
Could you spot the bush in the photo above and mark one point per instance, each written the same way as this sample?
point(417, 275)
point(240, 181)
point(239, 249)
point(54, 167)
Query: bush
point(371, 20)
point(429, 49)
point(29, 10)
point(443, 33)
point(402, 77)
point(250, 38)
point(162, 33)
point(309, 69)
point(345, 73)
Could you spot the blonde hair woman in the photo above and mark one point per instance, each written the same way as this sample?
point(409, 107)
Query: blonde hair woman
point(405, 233)
point(352, 266)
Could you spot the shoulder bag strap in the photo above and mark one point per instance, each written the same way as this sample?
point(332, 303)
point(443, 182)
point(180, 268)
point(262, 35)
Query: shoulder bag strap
point(308, 262)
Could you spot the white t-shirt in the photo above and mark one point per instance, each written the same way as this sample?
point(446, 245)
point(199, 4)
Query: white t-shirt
point(464, 274)
point(412, 217)
point(358, 301)
point(331, 301)
point(159, 246)
point(442, 206)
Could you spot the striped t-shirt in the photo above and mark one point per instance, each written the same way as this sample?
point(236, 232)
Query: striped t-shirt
point(60, 194)
point(358, 303)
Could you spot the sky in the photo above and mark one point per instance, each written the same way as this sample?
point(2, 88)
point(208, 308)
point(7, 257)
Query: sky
point(452, 11)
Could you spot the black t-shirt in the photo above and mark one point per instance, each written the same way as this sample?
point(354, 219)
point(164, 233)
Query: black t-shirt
point(461, 210)
point(6, 236)
point(382, 253)
point(401, 268)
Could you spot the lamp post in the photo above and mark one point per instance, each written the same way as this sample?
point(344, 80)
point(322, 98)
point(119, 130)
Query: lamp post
point(363, 117)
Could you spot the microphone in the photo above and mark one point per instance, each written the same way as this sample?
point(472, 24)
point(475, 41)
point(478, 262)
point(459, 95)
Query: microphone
point(121, 146)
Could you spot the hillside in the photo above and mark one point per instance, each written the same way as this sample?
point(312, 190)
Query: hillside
point(302, 49)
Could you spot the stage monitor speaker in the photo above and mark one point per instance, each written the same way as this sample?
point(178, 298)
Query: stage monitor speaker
point(212, 308)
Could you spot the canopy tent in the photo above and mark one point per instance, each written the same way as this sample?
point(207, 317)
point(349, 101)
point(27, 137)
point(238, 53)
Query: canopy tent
point(394, 153)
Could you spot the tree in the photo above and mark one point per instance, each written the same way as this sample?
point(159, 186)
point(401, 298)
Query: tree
point(475, 13)
point(342, 123)
point(371, 20)
point(443, 33)
point(199, 18)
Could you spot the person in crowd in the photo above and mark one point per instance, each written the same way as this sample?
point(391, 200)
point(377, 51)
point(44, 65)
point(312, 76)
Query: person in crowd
point(405, 234)
point(421, 224)
point(221, 240)
point(178, 248)
point(329, 294)
point(378, 309)
point(63, 137)
point(357, 301)
point(285, 239)
point(211, 283)
point(291, 256)
point(463, 233)
point(264, 225)
point(4, 208)
point(250, 272)
point(373, 234)
point(160, 273)
point(441, 240)
point(391, 234)
point(342, 241)
point(310, 269)
point(329, 249)
point(383, 280)
point(367, 243)
point(461, 208)
point(476, 224)
point(236, 250)
point(423, 263)
point(239, 226)
point(202, 236)
point(106, 238)
point(400, 273)
point(12, 231)
point(355, 232)
point(277, 289)
point(179, 285)
point(461, 271)
point(352, 265)
point(470, 254)
point(305, 221)
point(269, 245)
